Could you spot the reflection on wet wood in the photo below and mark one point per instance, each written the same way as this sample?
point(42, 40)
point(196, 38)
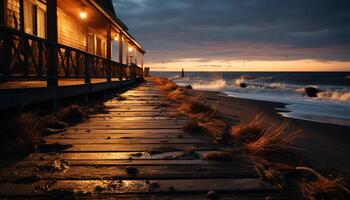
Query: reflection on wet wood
point(135, 151)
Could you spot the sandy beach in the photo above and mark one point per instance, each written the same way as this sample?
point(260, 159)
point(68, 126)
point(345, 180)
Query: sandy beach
point(325, 146)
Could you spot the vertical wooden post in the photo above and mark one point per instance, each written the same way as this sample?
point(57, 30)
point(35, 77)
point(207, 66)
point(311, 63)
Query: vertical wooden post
point(3, 12)
point(142, 59)
point(120, 45)
point(109, 52)
point(52, 36)
point(35, 20)
point(21, 15)
point(135, 55)
point(126, 52)
point(87, 69)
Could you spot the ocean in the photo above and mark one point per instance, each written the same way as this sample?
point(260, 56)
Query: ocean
point(332, 104)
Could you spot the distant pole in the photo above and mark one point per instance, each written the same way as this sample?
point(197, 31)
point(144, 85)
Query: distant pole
point(182, 73)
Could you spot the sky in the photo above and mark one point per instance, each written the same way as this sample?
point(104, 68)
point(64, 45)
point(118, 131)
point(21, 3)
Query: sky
point(240, 35)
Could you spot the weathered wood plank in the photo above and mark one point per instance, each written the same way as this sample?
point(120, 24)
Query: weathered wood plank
point(137, 186)
point(120, 172)
point(46, 148)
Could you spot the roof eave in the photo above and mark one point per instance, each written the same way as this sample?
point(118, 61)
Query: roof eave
point(118, 23)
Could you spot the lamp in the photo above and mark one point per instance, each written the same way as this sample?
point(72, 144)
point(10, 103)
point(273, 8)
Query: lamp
point(116, 38)
point(83, 13)
point(130, 49)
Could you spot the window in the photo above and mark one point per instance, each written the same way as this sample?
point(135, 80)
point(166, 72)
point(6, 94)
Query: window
point(28, 16)
point(98, 46)
point(34, 18)
point(41, 23)
point(91, 43)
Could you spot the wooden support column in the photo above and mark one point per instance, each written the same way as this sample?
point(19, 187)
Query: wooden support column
point(135, 55)
point(21, 15)
point(120, 45)
point(142, 59)
point(52, 36)
point(126, 52)
point(109, 52)
point(3, 12)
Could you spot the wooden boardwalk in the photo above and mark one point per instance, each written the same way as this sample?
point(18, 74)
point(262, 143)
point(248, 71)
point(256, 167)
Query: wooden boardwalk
point(136, 151)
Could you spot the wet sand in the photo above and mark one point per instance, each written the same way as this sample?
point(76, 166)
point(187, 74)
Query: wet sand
point(325, 146)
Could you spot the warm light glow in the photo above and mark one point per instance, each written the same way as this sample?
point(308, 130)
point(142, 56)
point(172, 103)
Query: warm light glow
point(239, 65)
point(116, 38)
point(130, 49)
point(83, 14)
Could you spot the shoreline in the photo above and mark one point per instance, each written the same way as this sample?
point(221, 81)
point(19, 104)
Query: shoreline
point(324, 145)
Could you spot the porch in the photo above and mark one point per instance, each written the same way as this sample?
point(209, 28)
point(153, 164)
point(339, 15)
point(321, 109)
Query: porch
point(82, 46)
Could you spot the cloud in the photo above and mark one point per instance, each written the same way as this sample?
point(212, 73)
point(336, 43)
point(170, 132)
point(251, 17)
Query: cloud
point(240, 29)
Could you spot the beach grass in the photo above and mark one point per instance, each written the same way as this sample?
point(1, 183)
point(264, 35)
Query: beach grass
point(270, 149)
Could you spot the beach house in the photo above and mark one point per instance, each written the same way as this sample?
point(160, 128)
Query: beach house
point(49, 39)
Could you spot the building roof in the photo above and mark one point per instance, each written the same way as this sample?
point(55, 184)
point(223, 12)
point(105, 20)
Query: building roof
point(107, 5)
point(108, 8)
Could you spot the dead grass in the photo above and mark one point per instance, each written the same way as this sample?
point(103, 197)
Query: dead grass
point(169, 86)
point(321, 187)
point(275, 139)
point(72, 114)
point(247, 132)
point(177, 94)
point(219, 129)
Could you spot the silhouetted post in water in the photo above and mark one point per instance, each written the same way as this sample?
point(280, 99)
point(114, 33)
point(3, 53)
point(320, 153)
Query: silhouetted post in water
point(182, 73)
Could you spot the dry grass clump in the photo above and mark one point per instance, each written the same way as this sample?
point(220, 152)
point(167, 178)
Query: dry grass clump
point(257, 140)
point(193, 107)
point(72, 114)
point(169, 86)
point(19, 133)
point(274, 139)
point(179, 93)
point(247, 132)
point(217, 128)
point(321, 187)
point(193, 128)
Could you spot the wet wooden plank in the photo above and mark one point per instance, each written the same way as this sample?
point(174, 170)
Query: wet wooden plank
point(120, 172)
point(98, 140)
point(178, 155)
point(101, 135)
point(125, 147)
point(137, 186)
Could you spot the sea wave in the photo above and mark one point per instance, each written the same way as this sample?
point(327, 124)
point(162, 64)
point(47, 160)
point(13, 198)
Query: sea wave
point(210, 85)
point(335, 95)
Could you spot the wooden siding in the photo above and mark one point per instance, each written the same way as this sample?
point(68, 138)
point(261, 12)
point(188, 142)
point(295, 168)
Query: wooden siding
point(71, 32)
point(13, 13)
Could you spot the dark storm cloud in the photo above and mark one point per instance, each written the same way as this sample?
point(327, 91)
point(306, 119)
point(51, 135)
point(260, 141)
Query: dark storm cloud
point(240, 29)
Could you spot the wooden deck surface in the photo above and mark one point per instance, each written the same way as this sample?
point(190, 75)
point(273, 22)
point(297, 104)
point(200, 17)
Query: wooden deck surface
point(137, 151)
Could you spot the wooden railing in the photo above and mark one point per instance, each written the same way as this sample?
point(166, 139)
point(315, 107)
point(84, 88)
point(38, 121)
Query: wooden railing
point(24, 56)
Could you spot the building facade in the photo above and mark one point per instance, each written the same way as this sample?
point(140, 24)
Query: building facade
point(81, 25)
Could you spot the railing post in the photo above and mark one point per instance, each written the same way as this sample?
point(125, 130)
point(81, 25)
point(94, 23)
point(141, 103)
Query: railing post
point(7, 55)
point(3, 12)
point(120, 45)
point(109, 52)
point(52, 36)
point(87, 69)
point(40, 58)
